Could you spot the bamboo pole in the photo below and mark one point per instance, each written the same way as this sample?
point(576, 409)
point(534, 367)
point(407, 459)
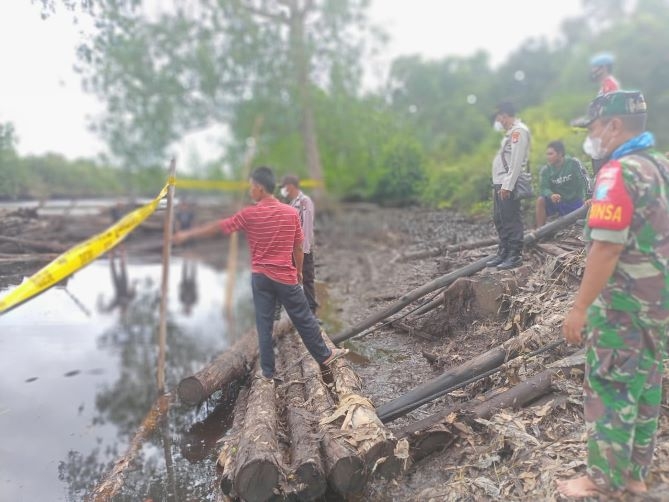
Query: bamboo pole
point(167, 247)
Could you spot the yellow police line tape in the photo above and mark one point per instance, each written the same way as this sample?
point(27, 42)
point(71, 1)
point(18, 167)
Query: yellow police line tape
point(80, 255)
point(232, 185)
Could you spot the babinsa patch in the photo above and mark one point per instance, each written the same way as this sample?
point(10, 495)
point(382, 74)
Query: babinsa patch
point(612, 207)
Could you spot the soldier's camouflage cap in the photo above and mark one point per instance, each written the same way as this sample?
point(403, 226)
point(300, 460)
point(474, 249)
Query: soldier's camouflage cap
point(613, 104)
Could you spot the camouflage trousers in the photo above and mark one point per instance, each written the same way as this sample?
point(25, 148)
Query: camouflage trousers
point(622, 395)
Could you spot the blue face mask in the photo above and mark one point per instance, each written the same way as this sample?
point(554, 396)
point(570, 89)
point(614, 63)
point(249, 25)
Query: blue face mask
point(498, 126)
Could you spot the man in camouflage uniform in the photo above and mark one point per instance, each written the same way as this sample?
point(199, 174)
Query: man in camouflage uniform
point(623, 300)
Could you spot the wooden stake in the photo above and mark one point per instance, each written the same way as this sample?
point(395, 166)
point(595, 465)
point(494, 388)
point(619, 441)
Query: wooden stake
point(167, 247)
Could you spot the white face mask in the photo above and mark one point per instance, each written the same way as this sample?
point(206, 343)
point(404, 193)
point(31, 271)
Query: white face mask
point(593, 146)
point(284, 192)
point(498, 126)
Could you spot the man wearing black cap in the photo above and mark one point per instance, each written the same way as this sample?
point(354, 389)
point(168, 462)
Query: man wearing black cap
point(622, 304)
point(511, 159)
point(290, 190)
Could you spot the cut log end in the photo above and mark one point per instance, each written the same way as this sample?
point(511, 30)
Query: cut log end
point(380, 458)
point(191, 391)
point(226, 485)
point(311, 481)
point(256, 480)
point(425, 444)
point(348, 475)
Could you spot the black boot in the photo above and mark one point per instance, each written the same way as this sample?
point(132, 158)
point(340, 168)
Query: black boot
point(502, 254)
point(513, 260)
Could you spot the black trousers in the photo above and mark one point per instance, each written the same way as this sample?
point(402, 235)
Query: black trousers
point(308, 279)
point(508, 222)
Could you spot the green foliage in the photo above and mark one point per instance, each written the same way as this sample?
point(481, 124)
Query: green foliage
point(403, 173)
point(425, 134)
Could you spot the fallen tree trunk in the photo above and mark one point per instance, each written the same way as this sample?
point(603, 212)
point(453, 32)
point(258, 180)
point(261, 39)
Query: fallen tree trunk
point(431, 433)
point(487, 361)
point(227, 453)
point(113, 480)
point(308, 476)
point(530, 238)
point(257, 469)
point(372, 439)
point(35, 245)
point(445, 280)
point(442, 248)
point(344, 467)
point(231, 365)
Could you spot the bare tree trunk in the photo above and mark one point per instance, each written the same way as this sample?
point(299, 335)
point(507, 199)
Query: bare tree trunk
point(231, 365)
point(373, 440)
point(112, 482)
point(432, 433)
point(301, 63)
point(257, 468)
point(227, 454)
point(308, 477)
point(344, 467)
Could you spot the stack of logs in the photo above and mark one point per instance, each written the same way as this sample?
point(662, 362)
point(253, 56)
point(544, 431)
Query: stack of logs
point(292, 439)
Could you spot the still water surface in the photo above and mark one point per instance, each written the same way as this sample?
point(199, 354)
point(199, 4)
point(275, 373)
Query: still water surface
point(78, 375)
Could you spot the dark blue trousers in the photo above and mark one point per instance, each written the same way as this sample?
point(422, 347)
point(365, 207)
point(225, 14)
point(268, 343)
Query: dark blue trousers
point(266, 292)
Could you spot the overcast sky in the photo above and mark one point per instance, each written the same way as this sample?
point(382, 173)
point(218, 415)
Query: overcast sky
point(42, 96)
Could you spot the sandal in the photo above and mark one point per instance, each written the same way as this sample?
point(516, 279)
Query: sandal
point(336, 354)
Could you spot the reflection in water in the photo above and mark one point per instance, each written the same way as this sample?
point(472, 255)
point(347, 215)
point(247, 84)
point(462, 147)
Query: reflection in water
point(123, 291)
point(188, 286)
point(199, 440)
point(85, 423)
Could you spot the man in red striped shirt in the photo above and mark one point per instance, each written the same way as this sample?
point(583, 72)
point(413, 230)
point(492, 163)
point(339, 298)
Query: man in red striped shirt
point(275, 239)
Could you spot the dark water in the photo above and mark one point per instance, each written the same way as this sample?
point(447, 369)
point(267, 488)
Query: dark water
point(78, 368)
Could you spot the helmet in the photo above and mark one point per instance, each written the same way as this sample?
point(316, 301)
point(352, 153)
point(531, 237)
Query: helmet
point(602, 59)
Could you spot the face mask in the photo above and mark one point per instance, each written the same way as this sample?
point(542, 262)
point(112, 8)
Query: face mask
point(284, 192)
point(593, 147)
point(498, 126)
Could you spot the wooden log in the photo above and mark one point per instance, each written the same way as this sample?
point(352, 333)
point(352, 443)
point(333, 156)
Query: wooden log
point(489, 360)
point(410, 330)
point(344, 467)
point(445, 280)
point(443, 247)
point(228, 367)
point(52, 247)
point(375, 443)
point(230, 444)
point(433, 433)
point(257, 470)
point(112, 482)
point(307, 473)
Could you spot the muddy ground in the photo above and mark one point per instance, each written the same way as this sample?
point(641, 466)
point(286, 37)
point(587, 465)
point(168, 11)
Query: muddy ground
point(516, 454)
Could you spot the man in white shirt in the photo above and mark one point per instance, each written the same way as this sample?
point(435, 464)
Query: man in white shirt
point(290, 190)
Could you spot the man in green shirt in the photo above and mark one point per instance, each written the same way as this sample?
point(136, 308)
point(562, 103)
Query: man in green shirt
point(563, 184)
